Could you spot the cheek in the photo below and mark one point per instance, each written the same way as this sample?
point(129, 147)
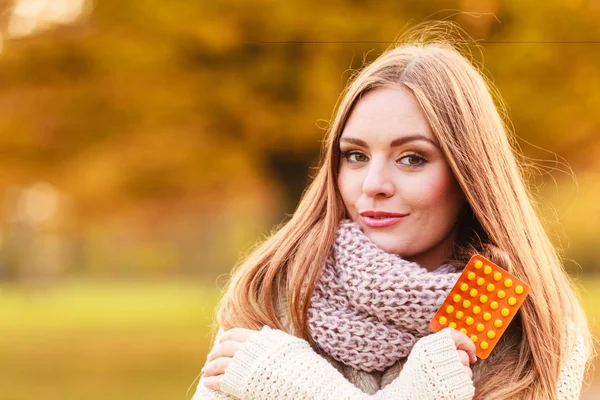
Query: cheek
point(435, 189)
point(346, 188)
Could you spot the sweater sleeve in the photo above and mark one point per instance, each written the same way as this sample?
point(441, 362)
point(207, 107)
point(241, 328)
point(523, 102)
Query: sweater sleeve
point(570, 379)
point(274, 364)
point(204, 393)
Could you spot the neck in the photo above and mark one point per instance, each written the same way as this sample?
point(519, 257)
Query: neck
point(432, 258)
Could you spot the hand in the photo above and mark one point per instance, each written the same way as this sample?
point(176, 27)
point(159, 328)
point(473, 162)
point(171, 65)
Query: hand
point(466, 350)
point(221, 355)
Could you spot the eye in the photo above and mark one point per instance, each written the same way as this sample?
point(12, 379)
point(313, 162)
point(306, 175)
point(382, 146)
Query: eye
point(354, 156)
point(412, 160)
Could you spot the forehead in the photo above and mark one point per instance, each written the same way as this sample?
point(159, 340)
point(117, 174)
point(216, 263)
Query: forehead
point(387, 113)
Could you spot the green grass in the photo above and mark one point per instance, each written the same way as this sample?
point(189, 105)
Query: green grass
point(120, 341)
point(85, 305)
point(589, 291)
point(90, 340)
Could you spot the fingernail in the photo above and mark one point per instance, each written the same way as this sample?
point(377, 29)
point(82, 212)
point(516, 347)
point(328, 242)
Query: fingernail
point(209, 356)
point(267, 328)
point(202, 371)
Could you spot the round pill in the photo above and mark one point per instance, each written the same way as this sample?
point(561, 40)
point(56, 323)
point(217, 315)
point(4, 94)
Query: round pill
point(508, 283)
point(498, 323)
point(484, 345)
point(443, 320)
point(457, 298)
point(494, 305)
point(480, 281)
point(452, 325)
point(501, 294)
point(487, 316)
point(450, 309)
point(483, 298)
point(474, 338)
point(480, 327)
point(464, 287)
point(463, 330)
point(487, 270)
point(491, 287)
point(512, 301)
point(505, 312)
point(491, 334)
point(473, 292)
point(469, 321)
point(478, 264)
point(460, 314)
point(476, 310)
point(471, 276)
point(466, 303)
point(519, 289)
point(497, 276)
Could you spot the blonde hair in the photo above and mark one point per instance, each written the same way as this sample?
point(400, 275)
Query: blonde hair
point(501, 222)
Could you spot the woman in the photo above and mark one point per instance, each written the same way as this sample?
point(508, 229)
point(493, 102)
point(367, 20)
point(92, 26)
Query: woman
point(418, 174)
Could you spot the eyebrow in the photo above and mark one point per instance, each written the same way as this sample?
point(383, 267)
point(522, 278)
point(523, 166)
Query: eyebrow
point(395, 142)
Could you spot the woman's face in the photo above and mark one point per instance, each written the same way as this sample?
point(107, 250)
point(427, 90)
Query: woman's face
point(394, 180)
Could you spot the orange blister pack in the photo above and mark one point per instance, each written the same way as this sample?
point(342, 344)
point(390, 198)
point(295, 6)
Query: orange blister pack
point(481, 304)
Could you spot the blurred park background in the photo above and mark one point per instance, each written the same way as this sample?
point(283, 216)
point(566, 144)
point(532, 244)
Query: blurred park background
point(145, 146)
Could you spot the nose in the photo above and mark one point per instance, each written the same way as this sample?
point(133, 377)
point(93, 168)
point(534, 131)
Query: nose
point(377, 182)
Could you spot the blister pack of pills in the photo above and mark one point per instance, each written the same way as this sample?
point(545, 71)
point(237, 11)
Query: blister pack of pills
point(481, 304)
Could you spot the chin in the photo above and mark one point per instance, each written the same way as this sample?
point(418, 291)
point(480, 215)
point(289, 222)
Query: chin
point(387, 244)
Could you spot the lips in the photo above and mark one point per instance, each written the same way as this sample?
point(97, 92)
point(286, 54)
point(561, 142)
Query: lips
point(380, 219)
point(375, 213)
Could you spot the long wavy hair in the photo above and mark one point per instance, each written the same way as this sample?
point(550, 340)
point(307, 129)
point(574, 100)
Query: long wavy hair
point(500, 221)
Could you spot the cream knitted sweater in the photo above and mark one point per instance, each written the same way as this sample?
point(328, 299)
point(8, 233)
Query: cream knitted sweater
point(276, 365)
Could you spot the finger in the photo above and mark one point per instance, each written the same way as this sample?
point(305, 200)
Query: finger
point(225, 349)
point(219, 334)
point(470, 372)
point(463, 342)
point(464, 357)
point(213, 383)
point(216, 367)
point(237, 334)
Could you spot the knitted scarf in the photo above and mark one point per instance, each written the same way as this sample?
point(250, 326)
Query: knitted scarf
point(370, 307)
